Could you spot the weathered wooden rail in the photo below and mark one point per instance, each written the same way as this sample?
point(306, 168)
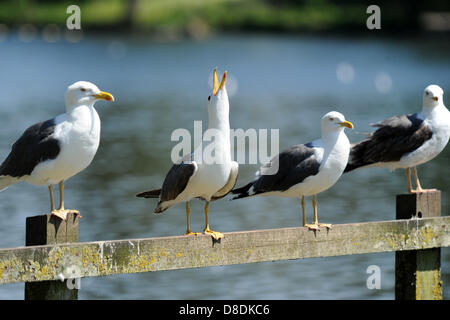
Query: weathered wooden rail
point(416, 238)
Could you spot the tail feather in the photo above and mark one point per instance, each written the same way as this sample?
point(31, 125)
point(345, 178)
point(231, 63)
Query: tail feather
point(358, 158)
point(149, 194)
point(153, 194)
point(242, 192)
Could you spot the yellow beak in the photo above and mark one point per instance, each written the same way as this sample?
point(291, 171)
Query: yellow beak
point(104, 96)
point(223, 83)
point(347, 124)
point(435, 98)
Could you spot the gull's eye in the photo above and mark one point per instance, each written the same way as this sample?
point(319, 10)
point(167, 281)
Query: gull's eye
point(83, 89)
point(331, 119)
point(427, 93)
point(209, 98)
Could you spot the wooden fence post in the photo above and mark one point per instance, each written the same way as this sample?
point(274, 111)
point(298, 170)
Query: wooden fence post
point(418, 272)
point(48, 229)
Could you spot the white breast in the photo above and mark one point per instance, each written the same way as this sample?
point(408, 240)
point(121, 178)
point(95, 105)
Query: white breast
point(79, 138)
point(440, 125)
point(334, 159)
point(212, 173)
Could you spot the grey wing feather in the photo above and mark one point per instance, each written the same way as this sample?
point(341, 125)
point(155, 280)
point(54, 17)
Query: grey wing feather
point(34, 146)
point(177, 180)
point(294, 166)
point(394, 138)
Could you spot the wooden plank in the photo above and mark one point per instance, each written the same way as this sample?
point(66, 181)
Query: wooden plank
point(168, 253)
point(44, 230)
point(418, 273)
point(49, 229)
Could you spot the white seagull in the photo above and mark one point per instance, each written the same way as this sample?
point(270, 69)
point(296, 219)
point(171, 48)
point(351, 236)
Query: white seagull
point(198, 177)
point(52, 151)
point(305, 169)
point(406, 141)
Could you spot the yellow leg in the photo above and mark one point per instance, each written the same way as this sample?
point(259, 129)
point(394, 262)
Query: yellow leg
point(303, 211)
point(418, 186)
point(52, 204)
point(188, 228)
point(62, 212)
point(408, 178)
point(316, 224)
point(216, 235)
point(61, 195)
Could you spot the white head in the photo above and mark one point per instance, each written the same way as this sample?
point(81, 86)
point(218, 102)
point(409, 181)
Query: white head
point(334, 122)
point(218, 101)
point(432, 96)
point(85, 93)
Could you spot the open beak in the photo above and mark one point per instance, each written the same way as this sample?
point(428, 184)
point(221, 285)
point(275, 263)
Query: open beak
point(346, 124)
point(104, 96)
point(435, 98)
point(223, 83)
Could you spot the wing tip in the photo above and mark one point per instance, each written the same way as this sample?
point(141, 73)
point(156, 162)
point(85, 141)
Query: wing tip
point(160, 208)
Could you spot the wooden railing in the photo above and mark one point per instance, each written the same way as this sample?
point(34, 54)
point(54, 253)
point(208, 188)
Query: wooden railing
point(52, 261)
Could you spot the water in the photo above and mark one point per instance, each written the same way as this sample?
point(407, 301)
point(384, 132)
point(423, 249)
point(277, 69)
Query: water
point(286, 83)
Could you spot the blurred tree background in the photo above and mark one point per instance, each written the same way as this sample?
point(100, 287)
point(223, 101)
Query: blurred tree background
point(198, 18)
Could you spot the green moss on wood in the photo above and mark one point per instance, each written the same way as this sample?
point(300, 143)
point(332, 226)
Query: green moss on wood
point(144, 255)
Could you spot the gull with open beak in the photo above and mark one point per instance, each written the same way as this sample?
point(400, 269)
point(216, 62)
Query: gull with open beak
point(305, 169)
point(52, 151)
point(208, 173)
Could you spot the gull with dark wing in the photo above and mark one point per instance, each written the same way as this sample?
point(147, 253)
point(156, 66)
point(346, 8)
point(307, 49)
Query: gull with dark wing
point(406, 141)
point(52, 151)
point(305, 169)
point(206, 179)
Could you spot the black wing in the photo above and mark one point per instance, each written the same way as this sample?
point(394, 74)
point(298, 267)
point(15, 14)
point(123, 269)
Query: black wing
point(294, 166)
point(175, 183)
point(34, 146)
point(394, 138)
point(177, 180)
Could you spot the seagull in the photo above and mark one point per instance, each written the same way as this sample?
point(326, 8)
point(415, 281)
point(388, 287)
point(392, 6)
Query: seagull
point(406, 141)
point(195, 176)
point(52, 151)
point(305, 169)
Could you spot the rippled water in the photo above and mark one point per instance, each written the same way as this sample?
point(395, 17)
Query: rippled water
point(286, 83)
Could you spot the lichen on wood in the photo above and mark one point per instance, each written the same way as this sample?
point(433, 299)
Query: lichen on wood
point(52, 262)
